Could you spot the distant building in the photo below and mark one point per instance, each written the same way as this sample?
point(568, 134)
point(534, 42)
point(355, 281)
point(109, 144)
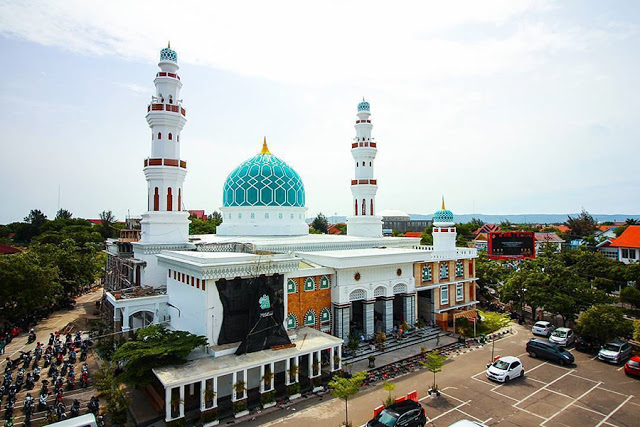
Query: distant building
point(480, 242)
point(402, 222)
point(486, 229)
point(605, 249)
point(198, 213)
point(628, 245)
point(8, 250)
point(551, 239)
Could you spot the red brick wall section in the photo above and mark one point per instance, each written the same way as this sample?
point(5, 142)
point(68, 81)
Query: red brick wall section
point(302, 301)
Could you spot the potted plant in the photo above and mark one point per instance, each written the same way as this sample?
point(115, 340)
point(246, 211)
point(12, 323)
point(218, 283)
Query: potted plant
point(209, 417)
point(293, 373)
point(372, 361)
point(316, 383)
point(268, 399)
point(336, 361)
point(240, 405)
point(293, 391)
point(209, 395)
point(267, 377)
point(315, 366)
point(387, 386)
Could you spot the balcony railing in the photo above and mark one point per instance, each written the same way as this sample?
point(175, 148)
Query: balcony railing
point(364, 181)
point(167, 107)
point(364, 144)
point(163, 74)
point(165, 162)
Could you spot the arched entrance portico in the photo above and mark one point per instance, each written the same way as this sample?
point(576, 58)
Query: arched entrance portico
point(141, 319)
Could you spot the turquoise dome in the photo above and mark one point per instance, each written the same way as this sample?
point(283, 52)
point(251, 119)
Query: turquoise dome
point(263, 180)
point(168, 54)
point(443, 215)
point(363, 106)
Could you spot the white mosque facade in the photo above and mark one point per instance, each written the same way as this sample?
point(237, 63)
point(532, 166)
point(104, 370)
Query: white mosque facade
point(312, 292)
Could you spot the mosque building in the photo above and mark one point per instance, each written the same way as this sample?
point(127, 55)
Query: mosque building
point(276, 303)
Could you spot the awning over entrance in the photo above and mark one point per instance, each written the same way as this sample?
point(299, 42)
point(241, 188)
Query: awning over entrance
point(457, 307)
point(467, 314)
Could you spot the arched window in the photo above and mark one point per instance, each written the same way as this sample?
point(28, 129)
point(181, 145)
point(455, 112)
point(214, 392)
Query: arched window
point(310, 318)
point(170, 99)
point(426, 273)
point(169, 199)
point(356, 207)
point(179, 199)
point(309, 284)
point(444, 270)
point(170, 137)
point(178, 138)
point(292, 321)
point(364, 207)
point(325, 315)
point(357, 164)
point(362, 163)
point(292, 287)
point(371, 207)
point(156, 200)
point(324, 282)
point(369, 164)
point(459, 269)
point(159, 135)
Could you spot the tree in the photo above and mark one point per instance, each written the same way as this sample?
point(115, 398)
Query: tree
point(199, 226)
point(604, 323)
point(582, 225)
point(216, 217)
point(476, 223)
point(389, 386)
point(153, 347)
point(110, 388)
point(489, 272)
point(630, 295)
point(107, 221)
point(63, 214)
point(320, 223)
point(434, 364)
point(344, 388)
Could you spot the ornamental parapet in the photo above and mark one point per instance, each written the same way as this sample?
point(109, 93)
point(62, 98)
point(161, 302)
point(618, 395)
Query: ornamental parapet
point(366, 144)
point(165, 162)
point(167, 107)
point(364, 182)
point(164, 74)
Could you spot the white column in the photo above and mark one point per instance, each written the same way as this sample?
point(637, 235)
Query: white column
point(203, 387)
point(287, 366)
point(167, 404)
point(234, 380)
point(368, 318)
point(333, 352)
point(246, 384)
point(182, 401)
point(125, 319)
point(273, 376)
point(215, 391)
point(298, 370)
point(262, 371)
point(310, 365)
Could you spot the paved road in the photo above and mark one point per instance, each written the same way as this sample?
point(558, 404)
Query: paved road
point(591, 393)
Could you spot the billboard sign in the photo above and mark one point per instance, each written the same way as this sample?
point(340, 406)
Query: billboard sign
point(512, 245)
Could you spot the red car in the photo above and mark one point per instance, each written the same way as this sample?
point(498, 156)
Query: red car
point(632, 367)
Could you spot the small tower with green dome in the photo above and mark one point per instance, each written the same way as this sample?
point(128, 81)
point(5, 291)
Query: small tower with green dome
point(444, 230)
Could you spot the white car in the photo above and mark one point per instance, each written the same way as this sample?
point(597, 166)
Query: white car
point(504, 369)
point(563, 336)
point(543, 328)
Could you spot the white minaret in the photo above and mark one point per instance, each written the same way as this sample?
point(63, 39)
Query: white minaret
point(363, 222)
point(165, 220)
point(444, 230)
point(165, 224)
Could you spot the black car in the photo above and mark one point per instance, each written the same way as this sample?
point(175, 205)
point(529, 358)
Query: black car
point(587, 344)
point(406, 414)
point(548, 350)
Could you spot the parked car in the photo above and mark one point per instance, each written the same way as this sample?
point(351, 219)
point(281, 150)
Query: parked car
point(615, 351)
point(632, 367)
point(587, 344)
point(549, 350)
point(504, 369)
point(563, 336)
point(407, 413)
point(543, 328)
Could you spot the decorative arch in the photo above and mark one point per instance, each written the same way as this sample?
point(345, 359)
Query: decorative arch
point(325, 283)
point(310, 318)
point(380, 291)
point(292, 286)
point(364, 207)
point(170, 136)
point(156, 200)
point(169, 199)
point(444, 270)
point(309, 284)
point(400, 288)
point(325, 315)
point(292, 321)
point(357, 295)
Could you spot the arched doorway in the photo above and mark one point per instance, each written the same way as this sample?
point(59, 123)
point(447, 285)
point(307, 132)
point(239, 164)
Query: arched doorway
point(141, 319)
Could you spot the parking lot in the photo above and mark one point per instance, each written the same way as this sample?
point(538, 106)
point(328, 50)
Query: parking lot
point(590, 393)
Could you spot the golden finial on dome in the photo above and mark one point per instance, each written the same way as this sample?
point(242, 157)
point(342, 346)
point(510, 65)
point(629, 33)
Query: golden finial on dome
point(265, 149)
point(169, 44)
point(443, 208)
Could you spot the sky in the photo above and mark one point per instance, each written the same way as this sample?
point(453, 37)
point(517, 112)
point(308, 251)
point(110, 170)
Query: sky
point(503, 107)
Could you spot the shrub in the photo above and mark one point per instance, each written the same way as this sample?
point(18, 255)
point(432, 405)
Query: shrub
point(492, 321)
point(210, 415)
point(239, 406)
point(177, 423)
point(293, 389)
point(268, 397)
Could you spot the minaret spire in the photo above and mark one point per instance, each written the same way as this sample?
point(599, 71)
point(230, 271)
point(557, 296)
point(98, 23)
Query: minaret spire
point(443, 208)
point(364, 223)
point(265, 149)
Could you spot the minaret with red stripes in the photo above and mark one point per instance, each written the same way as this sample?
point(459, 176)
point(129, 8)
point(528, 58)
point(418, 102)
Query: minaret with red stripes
point(363, 222)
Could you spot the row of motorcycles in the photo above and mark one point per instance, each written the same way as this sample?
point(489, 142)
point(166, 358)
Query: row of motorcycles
point(61, 372)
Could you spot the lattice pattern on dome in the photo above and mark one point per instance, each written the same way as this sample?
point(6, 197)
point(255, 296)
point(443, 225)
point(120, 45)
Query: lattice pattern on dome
point(364, 105)
point(167, 54)
point(357, 295)
point(443, 215)
point(263, 180)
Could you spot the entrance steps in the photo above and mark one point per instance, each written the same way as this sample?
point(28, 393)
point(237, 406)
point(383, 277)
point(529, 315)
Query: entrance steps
point(392, 343)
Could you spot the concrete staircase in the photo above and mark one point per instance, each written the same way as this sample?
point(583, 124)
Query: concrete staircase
point(392, 343)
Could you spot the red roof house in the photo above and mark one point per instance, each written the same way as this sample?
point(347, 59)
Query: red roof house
point(7, 250)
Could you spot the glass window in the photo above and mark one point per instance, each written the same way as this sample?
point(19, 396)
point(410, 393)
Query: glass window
point(309, 284)
point(625, 253)
point(459, 292)
point(459, 269)
point(632, 253)
point(325, 315)
point(444, 271)
point(310, 318)
point(292, 322)
point(291, 286)
point(426, 273)
point(444, 294)
point(324, 282)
